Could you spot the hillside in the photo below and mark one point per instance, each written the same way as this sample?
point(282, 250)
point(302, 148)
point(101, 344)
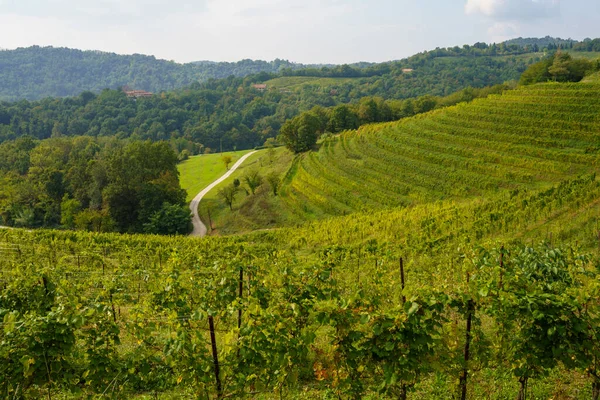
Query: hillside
point(440, 251)
point(527, 139)
point(37, 72)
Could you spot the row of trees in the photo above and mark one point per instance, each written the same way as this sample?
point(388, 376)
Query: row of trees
point(92, 184)
point(252, 181)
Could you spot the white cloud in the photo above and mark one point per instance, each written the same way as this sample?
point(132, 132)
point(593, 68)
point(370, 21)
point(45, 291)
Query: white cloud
point(501, 31)
point(513, 10)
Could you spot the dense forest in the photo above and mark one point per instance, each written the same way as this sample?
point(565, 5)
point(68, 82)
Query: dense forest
point(92, 184)
point(36, 72)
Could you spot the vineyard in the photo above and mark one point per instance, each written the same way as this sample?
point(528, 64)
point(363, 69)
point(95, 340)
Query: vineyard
point(527, 138)
point(483, 284)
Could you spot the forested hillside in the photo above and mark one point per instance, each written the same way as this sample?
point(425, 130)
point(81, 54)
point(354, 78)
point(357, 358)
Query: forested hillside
point(37, 72)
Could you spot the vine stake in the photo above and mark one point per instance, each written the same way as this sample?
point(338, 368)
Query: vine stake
point(402, 279)
point(213, 342)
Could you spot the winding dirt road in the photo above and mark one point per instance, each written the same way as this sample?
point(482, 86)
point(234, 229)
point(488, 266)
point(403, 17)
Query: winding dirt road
point(199, 228)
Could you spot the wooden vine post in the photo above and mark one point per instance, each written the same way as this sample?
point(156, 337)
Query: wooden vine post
point(213, 343)
point(240, 295)
point(465, 372)
point(500, 284)
point(402, 282)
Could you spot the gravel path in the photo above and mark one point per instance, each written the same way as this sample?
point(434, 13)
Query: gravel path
point(199, 228)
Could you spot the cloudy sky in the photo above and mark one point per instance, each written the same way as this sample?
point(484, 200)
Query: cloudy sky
point(308, 31)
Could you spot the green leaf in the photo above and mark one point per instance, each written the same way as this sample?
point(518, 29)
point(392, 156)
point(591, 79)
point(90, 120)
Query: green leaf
point(413, 308)
point(364, 318)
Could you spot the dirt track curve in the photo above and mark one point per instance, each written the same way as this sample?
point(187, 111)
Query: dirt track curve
point(199, 228)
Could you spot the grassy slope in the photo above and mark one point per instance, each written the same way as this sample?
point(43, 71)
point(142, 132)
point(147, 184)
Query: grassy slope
point(295, 82)
point(527, 139)
point(199, 171)
point(592, 78)
point(250, 212)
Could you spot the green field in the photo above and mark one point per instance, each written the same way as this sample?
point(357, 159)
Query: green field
point(474, 226)
point(199, 171)
point(295, 82)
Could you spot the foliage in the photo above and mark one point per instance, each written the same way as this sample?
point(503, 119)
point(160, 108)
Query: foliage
point(562, 67)
point(226, 159)
point(38, 72)
point(86, 183)
point(228, 194)
point(171, 219)
point(253, 179)
point(229, 113)
point(123, 322)
point(300, 134)
point(274, 182)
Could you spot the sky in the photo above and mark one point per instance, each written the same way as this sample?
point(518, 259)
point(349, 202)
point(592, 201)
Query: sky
point(306, 31)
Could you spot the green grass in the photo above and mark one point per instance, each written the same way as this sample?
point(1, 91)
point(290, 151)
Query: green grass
point(199, 171)
point(590, 55)
point(250, 212)
point(295, 82)
point(592, 78)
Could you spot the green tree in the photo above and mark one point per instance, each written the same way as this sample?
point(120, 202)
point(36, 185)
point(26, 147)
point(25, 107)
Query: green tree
point(226, 159)
point(228, 194)
point(68, 209)
point(171, 219)
point(274, 182)
point(300, 134)
point(253, 179)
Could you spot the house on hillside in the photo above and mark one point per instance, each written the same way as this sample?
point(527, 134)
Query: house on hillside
point(407, 70)
point(261, 87)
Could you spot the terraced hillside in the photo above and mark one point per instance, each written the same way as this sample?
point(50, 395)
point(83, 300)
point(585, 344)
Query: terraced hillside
point(529, 138)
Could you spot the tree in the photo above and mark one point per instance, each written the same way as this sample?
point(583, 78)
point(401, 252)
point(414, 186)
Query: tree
point(270, 145)
point(537, 72)
point(226, 159)
point(300, 134)
point(253, 179)
point(274, 182)
point(228, 194)
point(68, 209)
point(171, 219)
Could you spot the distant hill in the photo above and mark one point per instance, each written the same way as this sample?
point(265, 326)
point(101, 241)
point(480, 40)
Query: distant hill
point(547, 41)
point(37, 72)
